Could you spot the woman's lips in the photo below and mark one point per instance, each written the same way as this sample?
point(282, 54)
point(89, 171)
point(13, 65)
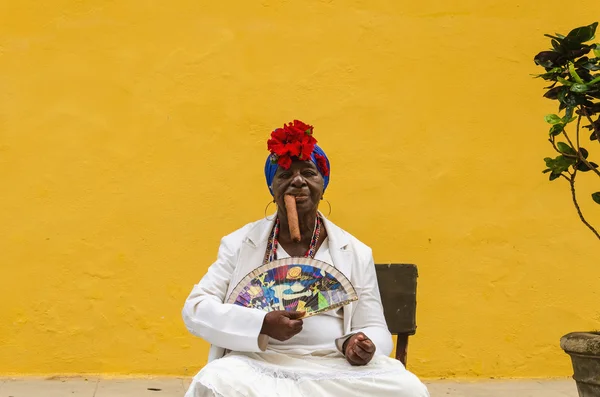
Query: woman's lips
point(301, 198)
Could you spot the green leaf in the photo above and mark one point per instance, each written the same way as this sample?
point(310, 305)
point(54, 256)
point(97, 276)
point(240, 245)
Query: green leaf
point(549, 59)
point(554, 176)
point(579, 87)
point(584, 168)
point(596, 197)
point(565, 82)
point(553, 92)
point(552, 119)
point(545, 76)
point(569, 113)
point(577, 50)
point(547, 170)
point(566, 149)
point(583, 34)
point(560, 164)
point(556, 129)
point(597, 50)
point(574, 74)
point(597, 79)
point(591, 66)
point(556, 45)
point(562, 98)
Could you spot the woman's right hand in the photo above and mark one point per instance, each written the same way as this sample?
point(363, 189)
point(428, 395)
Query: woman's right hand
point(281, 324)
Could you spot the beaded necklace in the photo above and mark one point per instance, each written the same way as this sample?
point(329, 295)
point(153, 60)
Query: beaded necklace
point(271, 253)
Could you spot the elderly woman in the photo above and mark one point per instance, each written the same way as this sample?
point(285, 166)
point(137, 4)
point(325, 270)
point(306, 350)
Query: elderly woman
point(253, 353)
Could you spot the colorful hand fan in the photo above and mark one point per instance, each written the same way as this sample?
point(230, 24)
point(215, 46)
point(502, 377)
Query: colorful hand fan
point(302, 284)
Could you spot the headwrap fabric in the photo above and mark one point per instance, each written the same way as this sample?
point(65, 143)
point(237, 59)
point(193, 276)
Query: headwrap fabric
point(271, 168)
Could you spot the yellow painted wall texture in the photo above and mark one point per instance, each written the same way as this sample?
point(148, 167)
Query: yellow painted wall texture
point(132, 138)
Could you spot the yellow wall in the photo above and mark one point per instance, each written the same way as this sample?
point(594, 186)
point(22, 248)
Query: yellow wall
point(132, 138)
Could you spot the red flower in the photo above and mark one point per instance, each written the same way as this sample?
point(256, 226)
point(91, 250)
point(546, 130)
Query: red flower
point(277, 142)
point(294, 148)
point(293, 140)
point(301, 127)
point(285, 162)
point(308, 145)
point(322, 164)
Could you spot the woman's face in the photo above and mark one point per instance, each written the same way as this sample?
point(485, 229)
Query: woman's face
point(302, 180)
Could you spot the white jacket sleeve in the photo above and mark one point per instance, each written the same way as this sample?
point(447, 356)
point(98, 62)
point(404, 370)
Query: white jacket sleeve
point(367, 316)
point(205, 315)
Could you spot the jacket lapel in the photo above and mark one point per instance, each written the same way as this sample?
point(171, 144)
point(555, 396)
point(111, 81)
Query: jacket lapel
point(343, 259)
point(252, 252)
point(339, 248)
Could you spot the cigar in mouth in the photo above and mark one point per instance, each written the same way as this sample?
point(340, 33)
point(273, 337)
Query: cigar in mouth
point(292, 216)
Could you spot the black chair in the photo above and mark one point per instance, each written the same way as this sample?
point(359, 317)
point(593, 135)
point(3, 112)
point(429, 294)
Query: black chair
point(398, 288)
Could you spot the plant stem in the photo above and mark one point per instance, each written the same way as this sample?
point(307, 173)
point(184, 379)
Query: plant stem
point(574, 196)
point(566, 177)
point(580, 155)
point(578, 125)
point(553, 142)
point(569, 140)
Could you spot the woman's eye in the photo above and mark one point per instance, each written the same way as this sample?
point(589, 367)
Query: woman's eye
point(284, 175)
point(309, 173)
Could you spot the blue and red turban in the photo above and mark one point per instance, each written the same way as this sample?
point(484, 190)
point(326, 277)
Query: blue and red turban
point(294, 141)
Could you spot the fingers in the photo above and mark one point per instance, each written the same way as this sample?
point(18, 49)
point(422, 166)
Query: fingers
point(291, 323)
point(296, 326)
point(354, 358)
point(282, 325)
point(363, 341)
point(351, 355)
point(292, 327)
point(294, 315)
point(367, 346)
point(360, 350)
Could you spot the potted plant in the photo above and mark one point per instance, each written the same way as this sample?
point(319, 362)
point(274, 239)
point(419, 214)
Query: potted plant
point(572, 66)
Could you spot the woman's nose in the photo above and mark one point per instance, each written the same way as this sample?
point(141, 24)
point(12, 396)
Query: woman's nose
point(298, 181)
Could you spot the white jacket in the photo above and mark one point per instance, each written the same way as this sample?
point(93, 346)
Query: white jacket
point(237, 328)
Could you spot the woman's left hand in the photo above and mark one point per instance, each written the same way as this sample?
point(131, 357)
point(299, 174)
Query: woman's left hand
point(359, 349)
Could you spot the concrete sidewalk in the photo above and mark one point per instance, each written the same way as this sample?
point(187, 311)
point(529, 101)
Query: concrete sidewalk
point(175, 387)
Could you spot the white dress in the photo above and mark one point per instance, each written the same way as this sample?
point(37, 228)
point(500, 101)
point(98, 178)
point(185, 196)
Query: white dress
point(306, 365)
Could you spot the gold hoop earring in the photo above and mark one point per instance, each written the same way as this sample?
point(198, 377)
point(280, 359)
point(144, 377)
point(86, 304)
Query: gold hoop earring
point(329, 204)
point(267, 207)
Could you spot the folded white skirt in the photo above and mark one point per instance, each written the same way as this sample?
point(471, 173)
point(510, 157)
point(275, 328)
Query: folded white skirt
point(273, 374)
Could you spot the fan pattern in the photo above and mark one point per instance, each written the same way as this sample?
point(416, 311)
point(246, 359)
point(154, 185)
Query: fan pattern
point(302, 284)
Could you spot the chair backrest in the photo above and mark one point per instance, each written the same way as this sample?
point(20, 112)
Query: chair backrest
point(398, 288)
